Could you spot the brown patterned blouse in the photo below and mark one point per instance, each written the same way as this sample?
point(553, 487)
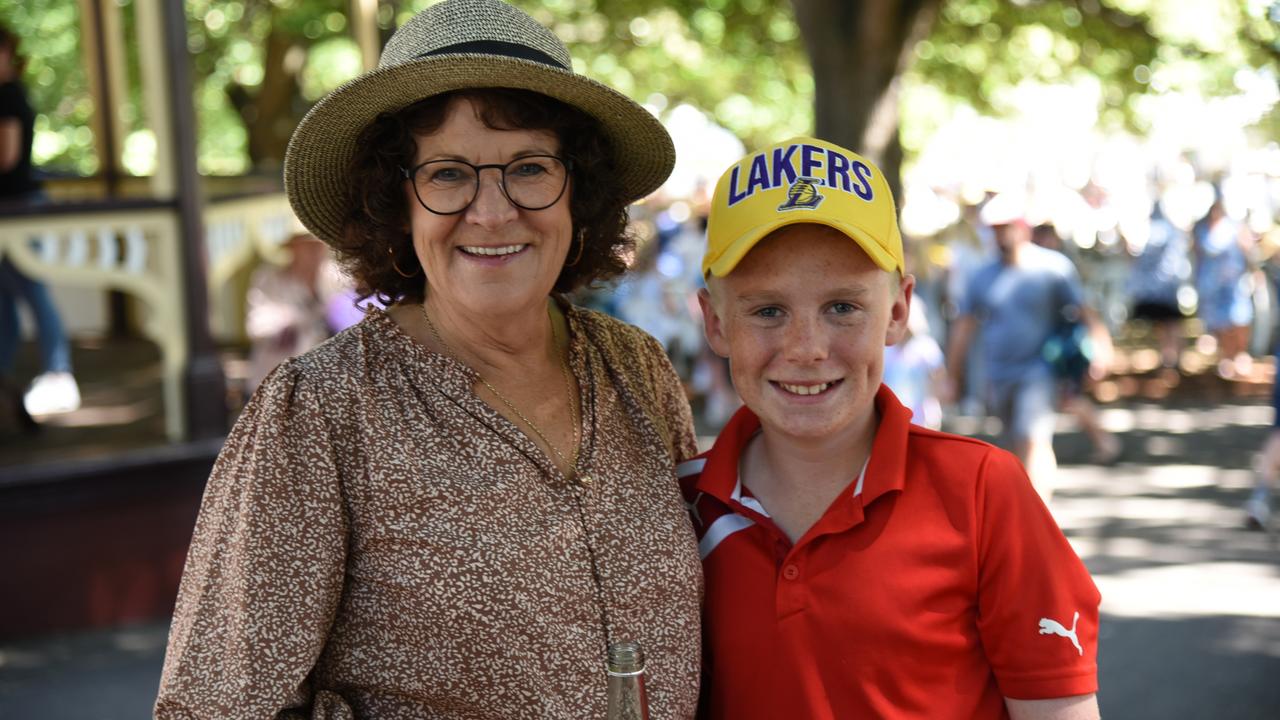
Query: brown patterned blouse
point(377, 542)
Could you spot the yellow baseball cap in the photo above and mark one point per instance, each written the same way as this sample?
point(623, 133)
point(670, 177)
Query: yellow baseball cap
point(801, 180)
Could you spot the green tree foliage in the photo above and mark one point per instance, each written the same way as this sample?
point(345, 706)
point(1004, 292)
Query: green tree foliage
point(251, 90)
point(739, 60)
point(743, 61)
point(978, 48)
point(259, 64)
point(57, 86)
point(1134, 49)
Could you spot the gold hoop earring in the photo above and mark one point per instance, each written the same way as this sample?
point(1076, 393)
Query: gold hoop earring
point(391, 254)
point(582, 245)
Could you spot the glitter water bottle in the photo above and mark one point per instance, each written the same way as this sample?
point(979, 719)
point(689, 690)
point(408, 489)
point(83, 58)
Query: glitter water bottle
point(627, 700)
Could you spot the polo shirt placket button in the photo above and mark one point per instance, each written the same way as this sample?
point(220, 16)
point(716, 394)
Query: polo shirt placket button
point(790, 572)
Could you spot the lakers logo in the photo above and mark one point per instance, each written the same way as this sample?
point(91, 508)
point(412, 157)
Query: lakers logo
point(802, 195)
point(802, 169)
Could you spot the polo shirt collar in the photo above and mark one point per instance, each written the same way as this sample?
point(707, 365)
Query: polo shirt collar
point(719, 477)
point(887, 466)
point(749, 501)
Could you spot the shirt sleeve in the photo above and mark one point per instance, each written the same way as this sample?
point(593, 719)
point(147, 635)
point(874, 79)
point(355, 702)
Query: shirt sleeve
point(265, 569)
point(1037, 605)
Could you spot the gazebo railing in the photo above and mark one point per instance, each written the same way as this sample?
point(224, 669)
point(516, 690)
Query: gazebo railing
point(134, 247)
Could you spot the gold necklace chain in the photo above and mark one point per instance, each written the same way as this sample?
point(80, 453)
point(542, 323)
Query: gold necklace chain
point(583, 480)
point(568, 387)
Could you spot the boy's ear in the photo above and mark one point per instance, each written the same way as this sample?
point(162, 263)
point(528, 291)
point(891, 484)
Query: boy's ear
point(712, 324)
point(900, 310)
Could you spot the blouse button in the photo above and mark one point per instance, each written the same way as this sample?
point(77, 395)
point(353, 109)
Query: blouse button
point(791, 572)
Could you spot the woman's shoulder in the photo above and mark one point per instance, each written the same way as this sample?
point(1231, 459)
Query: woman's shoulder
point(354, 355)
point(611, 334)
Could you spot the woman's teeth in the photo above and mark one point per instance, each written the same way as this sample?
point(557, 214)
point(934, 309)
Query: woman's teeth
point(805, 389)
point(493, 251)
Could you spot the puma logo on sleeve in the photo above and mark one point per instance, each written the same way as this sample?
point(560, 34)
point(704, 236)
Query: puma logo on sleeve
point(1049, 626)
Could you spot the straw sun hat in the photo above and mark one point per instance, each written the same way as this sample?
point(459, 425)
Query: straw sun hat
point(454, 45)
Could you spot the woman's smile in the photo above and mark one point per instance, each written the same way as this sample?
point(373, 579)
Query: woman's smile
point(499, 252)
point(493, 255)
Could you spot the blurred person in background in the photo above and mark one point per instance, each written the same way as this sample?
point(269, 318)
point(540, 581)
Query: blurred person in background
point(288, 305)
point(914, 369)
point(654, 297)
point(1266, 478)
point(659, 296)
point(1158, 273)
point(453, 508)
point(1223, 285)
point(54, 390)
point(1013, 306)
point(1257, 509)
point(969, 245)
point(1076, 375)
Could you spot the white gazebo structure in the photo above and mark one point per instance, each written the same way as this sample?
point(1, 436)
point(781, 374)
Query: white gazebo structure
point(164, 243)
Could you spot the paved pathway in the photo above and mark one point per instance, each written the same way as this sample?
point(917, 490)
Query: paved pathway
point(1191, 601)
point(1191, 625)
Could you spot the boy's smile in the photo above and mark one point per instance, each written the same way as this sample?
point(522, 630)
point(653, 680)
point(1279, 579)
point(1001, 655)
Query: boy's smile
point(808, 389)
point(804, 319)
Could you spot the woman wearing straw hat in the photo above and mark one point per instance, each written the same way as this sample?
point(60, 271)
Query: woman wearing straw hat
point(452, 508)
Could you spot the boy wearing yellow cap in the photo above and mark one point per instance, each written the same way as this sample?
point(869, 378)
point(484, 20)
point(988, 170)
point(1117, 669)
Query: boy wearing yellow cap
point(858, 565)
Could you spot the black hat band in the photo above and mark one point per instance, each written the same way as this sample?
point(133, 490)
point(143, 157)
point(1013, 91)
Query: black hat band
point(497, 47)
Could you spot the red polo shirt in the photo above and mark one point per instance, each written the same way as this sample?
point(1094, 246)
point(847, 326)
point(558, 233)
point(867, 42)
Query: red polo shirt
point(933, 587)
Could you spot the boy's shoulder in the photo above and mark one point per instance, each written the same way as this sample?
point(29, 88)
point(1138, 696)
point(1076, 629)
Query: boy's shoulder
point(712, 518)
point(940, 453)
point(721, 459)
point(688, 472)
point(943, 441)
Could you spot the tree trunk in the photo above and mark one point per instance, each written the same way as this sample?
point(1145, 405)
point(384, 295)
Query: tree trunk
point(270, 113)
point(857, 49)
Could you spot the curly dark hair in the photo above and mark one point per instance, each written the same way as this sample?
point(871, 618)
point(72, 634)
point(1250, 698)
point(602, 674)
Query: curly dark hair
point(376, 206)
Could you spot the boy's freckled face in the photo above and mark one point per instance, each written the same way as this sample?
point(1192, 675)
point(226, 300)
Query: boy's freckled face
point(804, 319)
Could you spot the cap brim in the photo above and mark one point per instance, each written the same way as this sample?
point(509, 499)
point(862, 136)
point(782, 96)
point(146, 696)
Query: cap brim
point(320, 151)
point(732, 255)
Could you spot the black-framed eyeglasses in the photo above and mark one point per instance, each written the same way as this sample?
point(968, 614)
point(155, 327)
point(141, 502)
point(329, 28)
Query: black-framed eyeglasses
point(447, 187)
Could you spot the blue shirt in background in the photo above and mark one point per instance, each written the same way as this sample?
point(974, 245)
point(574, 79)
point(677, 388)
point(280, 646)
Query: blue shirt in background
point(1019, 306)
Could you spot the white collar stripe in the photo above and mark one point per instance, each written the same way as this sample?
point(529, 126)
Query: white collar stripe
point(747, 502)
point(862, 475)
point(690, 467)
point(723, 527)
point(754, 504)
